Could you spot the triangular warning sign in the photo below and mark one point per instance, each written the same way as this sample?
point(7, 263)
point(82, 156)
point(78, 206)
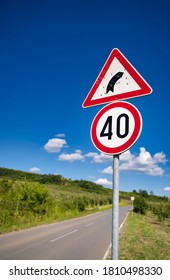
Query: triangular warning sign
point(118, 80)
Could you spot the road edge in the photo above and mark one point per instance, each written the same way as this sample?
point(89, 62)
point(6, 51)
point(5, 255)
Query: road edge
point(107, 255)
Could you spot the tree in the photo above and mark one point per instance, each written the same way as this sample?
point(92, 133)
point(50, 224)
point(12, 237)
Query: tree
point(143, 193)
point(134, 191)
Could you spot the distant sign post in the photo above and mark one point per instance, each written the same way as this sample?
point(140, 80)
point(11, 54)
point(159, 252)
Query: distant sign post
point(132, 199)
point(118, 125)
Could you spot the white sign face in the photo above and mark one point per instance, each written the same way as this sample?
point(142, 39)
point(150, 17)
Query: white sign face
point(118, 118)
point(116, 128)
point(132, 198)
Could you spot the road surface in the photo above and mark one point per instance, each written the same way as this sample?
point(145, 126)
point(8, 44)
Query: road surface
point(86, 238)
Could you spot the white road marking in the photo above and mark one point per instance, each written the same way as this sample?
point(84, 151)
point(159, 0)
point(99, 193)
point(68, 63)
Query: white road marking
point(62, 236)
point(106, 255)
point(108, 252)
point(123, 221)
point(89, 224)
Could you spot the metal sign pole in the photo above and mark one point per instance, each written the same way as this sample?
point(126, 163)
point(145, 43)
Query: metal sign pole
point(115, 209)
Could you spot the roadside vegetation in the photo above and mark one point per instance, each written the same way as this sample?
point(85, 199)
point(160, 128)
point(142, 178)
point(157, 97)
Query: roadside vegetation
point(146, 232)
point(28, 199)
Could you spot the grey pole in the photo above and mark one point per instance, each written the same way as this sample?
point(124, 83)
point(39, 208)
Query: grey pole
point(115, 209)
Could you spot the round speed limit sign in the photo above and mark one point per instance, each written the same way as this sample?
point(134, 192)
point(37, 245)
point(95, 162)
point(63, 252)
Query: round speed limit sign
point(116, 128)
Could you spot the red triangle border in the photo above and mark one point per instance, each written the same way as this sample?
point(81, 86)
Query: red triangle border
point(145, 89)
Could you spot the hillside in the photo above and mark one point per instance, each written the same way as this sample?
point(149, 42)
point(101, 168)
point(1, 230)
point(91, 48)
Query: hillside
point(57, 180)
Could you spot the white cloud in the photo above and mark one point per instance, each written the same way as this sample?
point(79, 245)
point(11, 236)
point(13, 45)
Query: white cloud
point(99, 158)
point(108, 170)
point(167, 189)
point(54, 145)
point(91, 177)
point(61, 135)
point(77, 155)
point(160, 157)
point(35, 170)
point(91, 154)
point(126, 156)
point(144, 163)
point(103, 181)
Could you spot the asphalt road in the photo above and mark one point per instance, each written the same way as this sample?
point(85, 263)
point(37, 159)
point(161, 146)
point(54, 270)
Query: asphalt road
point(86, 238)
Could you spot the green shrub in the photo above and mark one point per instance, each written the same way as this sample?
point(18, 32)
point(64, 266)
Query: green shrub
point(140, 205)
point(162, 211)
point(5, 185)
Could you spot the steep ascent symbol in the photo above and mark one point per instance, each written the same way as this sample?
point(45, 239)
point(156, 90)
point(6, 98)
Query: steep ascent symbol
point(114, 79)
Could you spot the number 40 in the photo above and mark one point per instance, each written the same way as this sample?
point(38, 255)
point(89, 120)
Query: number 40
point(107, 130)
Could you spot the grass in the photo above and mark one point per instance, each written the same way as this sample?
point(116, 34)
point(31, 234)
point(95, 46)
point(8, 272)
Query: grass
point(124, 202)
point(144, 238)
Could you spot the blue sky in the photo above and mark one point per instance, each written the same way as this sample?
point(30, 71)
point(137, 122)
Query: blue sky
point(51, 54)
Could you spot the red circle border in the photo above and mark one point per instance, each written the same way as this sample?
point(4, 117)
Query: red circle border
point(137, 130)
